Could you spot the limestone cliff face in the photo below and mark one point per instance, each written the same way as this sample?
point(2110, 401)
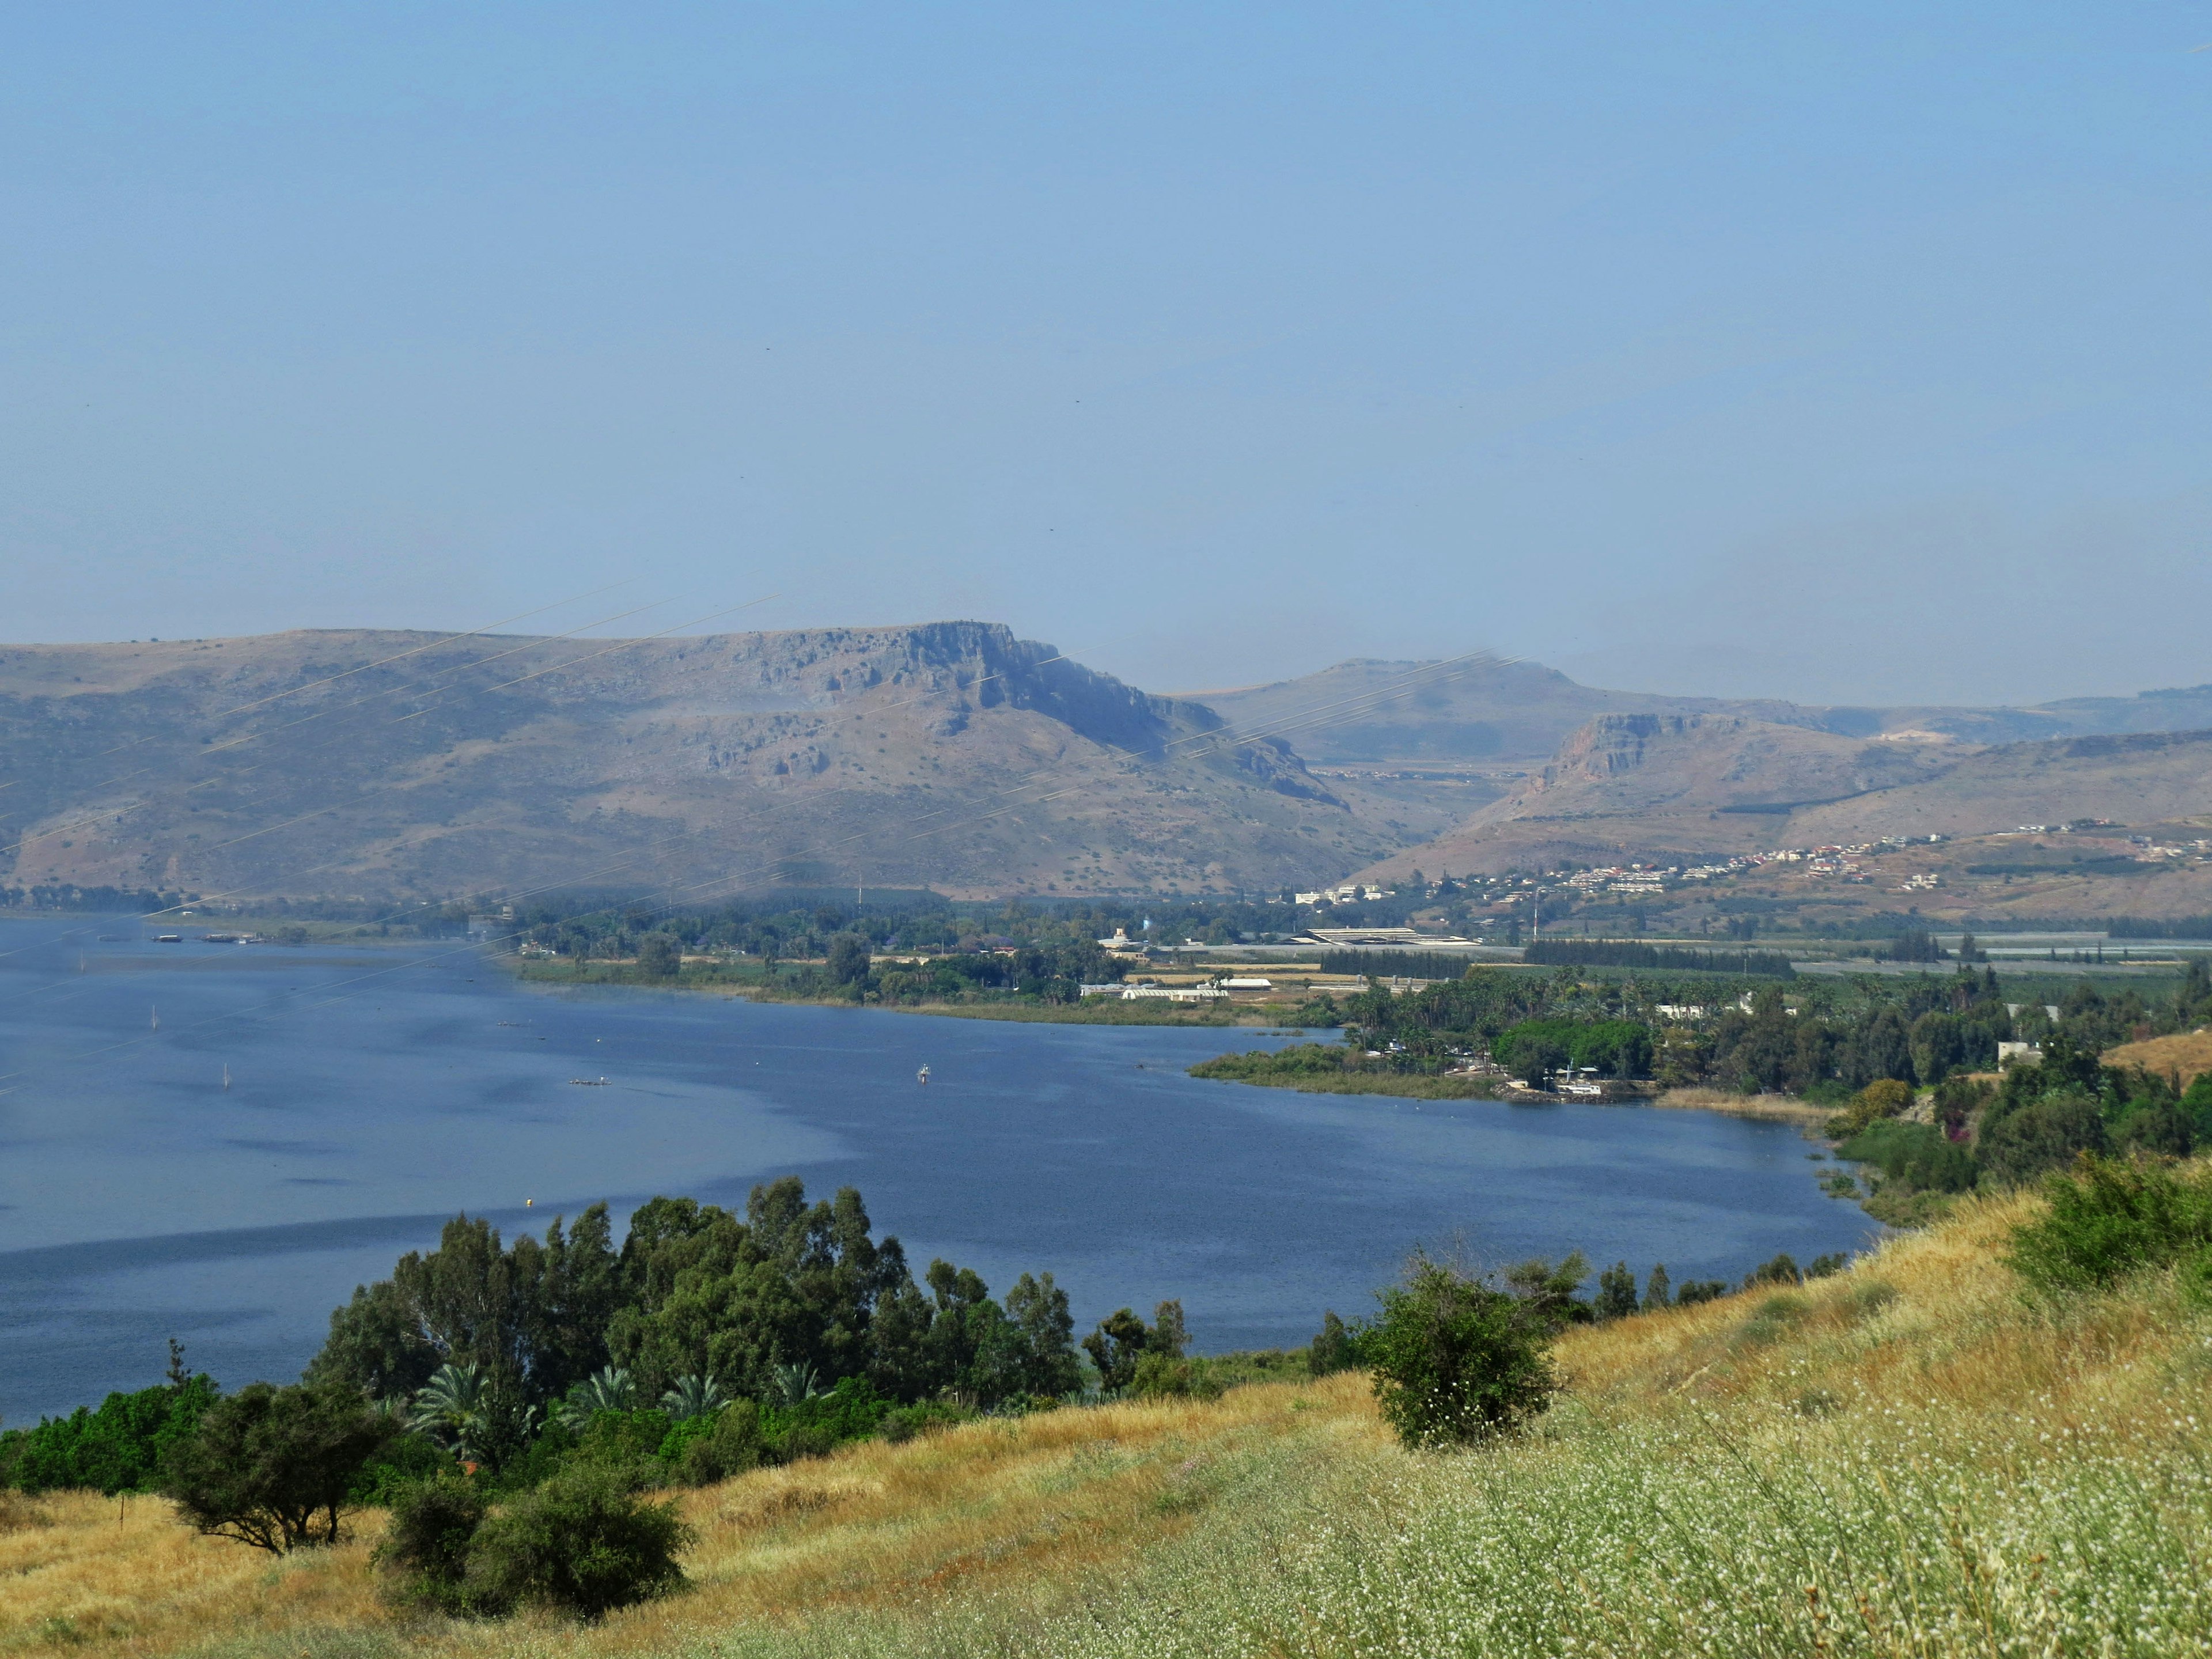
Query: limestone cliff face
point(951, 752)
point(1612, 744)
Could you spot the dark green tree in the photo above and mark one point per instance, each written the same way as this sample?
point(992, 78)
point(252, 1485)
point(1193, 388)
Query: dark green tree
point(1333, 1349)
point(848, 958)
point(1037, 1310)
point(2044, 1135)
point(1616, 1292)
point(424, 1554)
point(1456, 1361)
point(273, 1468)
point(1114, 1348)
point(584, 1543)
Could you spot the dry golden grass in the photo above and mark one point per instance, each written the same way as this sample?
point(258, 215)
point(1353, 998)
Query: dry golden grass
point(2185, 1052)
point(1767, 1108)
point(1008, 1525)
point(123, 1571)
point(1043, 1505)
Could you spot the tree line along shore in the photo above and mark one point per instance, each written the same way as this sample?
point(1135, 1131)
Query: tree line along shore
point(1988, 1435)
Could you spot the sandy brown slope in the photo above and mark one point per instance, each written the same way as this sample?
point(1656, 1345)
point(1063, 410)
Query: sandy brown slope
point(1671, 787)
point(949, 753)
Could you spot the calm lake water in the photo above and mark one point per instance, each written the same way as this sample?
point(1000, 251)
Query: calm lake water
point(372, 1094)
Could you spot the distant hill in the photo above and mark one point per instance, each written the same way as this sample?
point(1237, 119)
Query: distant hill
point(1486, 710)
point(1671, 787)
point(379, 764)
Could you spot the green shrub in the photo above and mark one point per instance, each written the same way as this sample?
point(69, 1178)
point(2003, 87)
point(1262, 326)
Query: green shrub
point(903, 1423)
point(732, 1445)
point(1457, 1361)
point(1884, 1097)
point(584, 1543)
point(119, 1447)
point(275, 1468)
point(2044, 1135)
point(1157, 1374)
point(2109, 1219)
point(406, 1460)
point(2197, 1106)
point(1917, 1154)
point(617, 1437)
point(424, 1556)
point(819, 1424)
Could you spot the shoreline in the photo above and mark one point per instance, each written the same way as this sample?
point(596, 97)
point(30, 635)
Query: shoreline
point(1098, 1011)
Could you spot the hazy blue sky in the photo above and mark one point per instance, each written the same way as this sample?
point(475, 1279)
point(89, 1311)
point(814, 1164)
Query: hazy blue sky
point(1858, 352)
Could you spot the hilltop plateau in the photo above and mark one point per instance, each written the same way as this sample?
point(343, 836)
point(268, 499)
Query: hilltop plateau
point(402, 764)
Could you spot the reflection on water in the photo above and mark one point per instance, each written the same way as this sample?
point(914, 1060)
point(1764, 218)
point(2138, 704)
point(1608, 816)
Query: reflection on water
point(372, 1094)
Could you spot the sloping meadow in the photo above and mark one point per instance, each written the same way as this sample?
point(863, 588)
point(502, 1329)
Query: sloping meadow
point(1912, 1457)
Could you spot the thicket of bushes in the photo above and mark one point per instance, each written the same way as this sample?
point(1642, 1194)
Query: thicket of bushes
point(2036, 1119)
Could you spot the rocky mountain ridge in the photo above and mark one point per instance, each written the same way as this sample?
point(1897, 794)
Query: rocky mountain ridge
point(402, 764)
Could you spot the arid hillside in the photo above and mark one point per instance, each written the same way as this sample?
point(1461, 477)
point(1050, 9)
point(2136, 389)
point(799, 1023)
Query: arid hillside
point(404, 764)
point(1670, 788)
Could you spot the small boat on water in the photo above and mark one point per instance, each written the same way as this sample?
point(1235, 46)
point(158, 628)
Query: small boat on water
point(922, 1075)
point(226, 1080)
point(153, 1019)
point(587, 1082)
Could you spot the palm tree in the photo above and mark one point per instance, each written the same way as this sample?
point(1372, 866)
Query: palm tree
point(607, 1389)
point(693, 1396)
point(455, 1409)
point(797, 1381)
point(466, 1411)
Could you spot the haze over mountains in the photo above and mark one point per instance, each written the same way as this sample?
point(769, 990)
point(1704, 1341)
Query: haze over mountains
point(403, 765)
point(393, 763)
point(1484, 708)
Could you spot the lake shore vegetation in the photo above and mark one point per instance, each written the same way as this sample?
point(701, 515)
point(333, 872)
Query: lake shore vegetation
point(1989, 1436)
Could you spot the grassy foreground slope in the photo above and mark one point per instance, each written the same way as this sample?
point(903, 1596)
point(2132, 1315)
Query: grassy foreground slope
point(1907, 1458)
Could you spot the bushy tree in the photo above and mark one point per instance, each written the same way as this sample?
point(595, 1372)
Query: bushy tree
point(2044, 1135)
point(1113, 1347)
point(584, 1543)
point(1122, 1340)
point(424, 1554)
point(533, 1318)
point(1616, 1292)
point(1456, 1361)
point(274, 1468)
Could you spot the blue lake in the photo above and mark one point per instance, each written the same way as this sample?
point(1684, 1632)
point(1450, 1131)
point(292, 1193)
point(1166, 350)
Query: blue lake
point(373, 1093)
